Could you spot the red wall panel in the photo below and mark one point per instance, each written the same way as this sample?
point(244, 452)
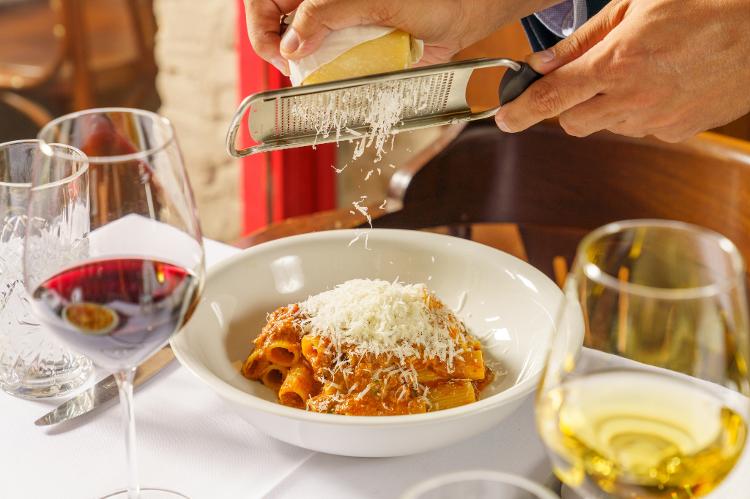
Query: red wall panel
point(285, 183)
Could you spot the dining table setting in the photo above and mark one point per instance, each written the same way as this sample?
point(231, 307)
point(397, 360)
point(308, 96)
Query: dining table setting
point(324, 357)
point(189, 441)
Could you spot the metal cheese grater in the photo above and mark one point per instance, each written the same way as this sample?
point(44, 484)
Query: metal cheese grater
point(437, 96)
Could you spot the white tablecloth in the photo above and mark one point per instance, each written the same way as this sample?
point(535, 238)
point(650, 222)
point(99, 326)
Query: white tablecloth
point(188, 441)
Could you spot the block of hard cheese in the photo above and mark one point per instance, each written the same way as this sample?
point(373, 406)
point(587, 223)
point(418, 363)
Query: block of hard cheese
point(356, 51)
point(391, 52)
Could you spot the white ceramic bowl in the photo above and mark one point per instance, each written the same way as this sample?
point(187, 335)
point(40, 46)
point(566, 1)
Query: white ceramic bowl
point(503, 300)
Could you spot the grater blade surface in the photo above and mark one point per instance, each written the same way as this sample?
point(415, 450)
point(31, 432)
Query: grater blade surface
point(301, 115)
point(344, 110)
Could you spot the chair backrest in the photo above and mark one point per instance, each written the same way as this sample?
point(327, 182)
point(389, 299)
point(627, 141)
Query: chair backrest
point(556, 187)
point(32, 43)
point(38, 37)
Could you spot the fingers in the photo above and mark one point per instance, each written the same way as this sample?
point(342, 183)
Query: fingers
point(555, 93)
point(675, 134)
point(598, 113)
point(618, 115)
point(571, 78)
point(314, 19)
point(628, 129)
point(262, 17)
point(577, 44)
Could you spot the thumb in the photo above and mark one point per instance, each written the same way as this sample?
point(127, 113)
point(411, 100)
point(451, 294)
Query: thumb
point(582, 39)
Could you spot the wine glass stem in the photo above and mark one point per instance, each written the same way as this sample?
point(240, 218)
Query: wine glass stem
point(125, 385)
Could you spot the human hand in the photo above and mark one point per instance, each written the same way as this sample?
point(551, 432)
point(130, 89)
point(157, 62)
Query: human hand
point(446, 26)
point(668, 68)
point(263, 18)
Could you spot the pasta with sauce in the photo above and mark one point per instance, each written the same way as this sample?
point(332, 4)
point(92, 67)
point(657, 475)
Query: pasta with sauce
point(369, 347)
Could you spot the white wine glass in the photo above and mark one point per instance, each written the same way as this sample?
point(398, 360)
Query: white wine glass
point(655, 405)
point(138, 271)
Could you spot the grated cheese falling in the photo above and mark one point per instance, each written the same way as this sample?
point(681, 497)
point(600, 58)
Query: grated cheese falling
point(369, 113)
point(380, 317)
point(364, 211)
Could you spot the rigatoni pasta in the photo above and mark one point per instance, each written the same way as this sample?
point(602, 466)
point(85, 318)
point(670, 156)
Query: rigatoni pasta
point(451, 394)
point(369, 348)
point(274, 376)
point(297, 386)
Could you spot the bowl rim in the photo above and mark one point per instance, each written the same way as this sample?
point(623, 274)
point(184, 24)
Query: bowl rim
point(234, 394)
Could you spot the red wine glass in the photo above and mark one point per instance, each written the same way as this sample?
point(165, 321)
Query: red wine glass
point(137, 273)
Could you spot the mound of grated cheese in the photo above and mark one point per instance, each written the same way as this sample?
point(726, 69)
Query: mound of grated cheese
point(381, 317)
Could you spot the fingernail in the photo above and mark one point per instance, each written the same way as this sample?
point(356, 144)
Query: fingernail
point(544, 57)
point(281, 65)
point(290, 41)
point(501, 124)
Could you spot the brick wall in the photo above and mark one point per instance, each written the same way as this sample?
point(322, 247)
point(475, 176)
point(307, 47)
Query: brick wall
point(197, 81)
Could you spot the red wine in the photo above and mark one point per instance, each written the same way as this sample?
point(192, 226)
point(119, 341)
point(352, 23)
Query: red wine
point(117, 312)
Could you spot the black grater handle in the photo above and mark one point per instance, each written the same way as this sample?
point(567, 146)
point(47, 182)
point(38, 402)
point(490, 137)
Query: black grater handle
point(514, 83)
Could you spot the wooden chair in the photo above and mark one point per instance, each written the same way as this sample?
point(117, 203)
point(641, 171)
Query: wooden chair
point(544, 189)
point(556, 188)
point(72, 52)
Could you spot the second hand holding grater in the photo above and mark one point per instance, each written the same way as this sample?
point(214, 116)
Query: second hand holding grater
point(435, 95)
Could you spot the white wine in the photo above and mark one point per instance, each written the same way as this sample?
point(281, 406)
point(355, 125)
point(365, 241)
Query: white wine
point(640, 434)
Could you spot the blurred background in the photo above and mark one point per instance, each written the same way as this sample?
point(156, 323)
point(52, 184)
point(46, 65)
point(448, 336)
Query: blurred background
point(190, 61)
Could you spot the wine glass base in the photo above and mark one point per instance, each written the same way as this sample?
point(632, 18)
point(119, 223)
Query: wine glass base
point(147, 493)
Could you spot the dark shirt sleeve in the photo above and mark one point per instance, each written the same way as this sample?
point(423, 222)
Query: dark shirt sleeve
point(542, 38)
